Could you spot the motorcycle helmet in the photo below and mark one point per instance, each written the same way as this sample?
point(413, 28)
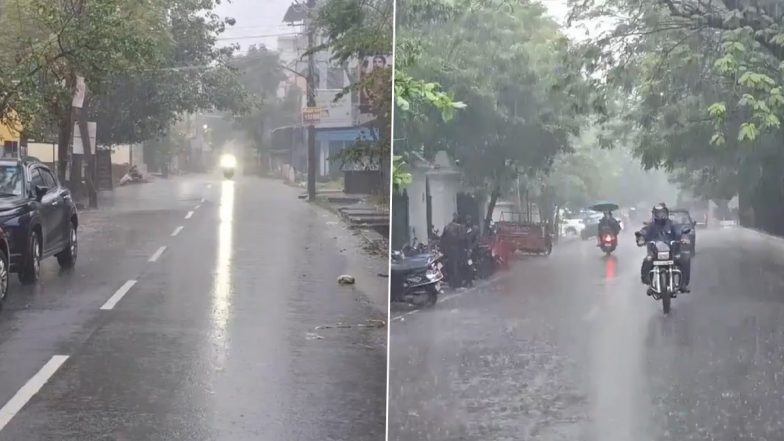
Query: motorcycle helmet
point(660, 213)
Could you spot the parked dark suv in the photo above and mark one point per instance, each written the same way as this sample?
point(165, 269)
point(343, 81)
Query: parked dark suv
point(5, 262)
point(38, 215)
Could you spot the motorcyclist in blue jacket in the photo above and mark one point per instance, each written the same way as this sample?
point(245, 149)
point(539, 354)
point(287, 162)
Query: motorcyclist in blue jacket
point(662, 229)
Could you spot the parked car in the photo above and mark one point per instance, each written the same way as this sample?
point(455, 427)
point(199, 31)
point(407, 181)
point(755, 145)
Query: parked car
point(682, 218)
point(38, 215)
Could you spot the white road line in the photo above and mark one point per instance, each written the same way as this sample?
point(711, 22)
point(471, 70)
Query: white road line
point(118, 295)
point(188, 216)
point(401, 316)
point(177, 230)
point(157, 254)
point(197, 207)
point(202, 200)
point(33, 385)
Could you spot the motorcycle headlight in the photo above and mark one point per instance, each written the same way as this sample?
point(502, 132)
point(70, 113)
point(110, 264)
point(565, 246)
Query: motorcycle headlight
point(228, 161)
point(431, 274)
point(663, 255)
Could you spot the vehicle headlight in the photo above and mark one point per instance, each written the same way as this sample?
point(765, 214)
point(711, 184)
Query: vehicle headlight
point(414, 279)
point(663, 255)
point(431, 274)
point(228, 161)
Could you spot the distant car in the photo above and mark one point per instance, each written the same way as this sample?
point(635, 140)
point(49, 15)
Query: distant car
point(591, 222)
point(38, 215)
point(682, 218)
point(572, 227)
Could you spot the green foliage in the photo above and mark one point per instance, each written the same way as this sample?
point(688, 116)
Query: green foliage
point(703, 87)
point(144, 62)
point(519, 100)
point(409, 90)
point(51, 42)
point(400, 175)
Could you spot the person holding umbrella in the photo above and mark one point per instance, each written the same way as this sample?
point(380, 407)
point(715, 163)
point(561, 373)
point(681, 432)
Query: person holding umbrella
point(607, 224)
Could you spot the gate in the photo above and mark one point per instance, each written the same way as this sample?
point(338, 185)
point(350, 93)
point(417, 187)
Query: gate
point(400, 230)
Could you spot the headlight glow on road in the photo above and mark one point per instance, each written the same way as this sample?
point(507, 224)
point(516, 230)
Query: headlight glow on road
point(221, 303)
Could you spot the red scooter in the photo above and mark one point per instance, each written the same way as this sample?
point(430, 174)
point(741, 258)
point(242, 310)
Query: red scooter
point(608, 242)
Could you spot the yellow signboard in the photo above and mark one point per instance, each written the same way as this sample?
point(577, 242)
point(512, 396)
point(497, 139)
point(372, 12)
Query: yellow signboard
point(312, 114)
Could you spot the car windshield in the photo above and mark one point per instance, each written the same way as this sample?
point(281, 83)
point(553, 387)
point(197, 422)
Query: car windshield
point(10, 180)
point(680, 217)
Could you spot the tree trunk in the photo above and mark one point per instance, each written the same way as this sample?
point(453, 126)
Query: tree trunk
point(491, 206)
point(89, 156)
point(63, 142)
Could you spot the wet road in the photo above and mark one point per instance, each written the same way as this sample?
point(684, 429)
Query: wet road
point(570, 348)
point(210, 338)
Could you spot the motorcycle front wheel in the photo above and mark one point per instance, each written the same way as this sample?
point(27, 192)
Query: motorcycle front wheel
point(666, 295)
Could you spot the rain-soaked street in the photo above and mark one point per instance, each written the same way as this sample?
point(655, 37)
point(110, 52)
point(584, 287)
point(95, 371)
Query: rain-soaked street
point(569, 348)
point(210, 338)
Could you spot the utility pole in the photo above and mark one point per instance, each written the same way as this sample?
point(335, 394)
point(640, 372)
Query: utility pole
point(311, 4)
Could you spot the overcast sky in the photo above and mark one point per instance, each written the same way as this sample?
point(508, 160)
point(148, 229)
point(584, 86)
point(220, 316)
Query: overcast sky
point(255, 18)
point(260, 21)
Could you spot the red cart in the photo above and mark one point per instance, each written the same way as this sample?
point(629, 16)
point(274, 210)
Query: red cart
point(526, 237)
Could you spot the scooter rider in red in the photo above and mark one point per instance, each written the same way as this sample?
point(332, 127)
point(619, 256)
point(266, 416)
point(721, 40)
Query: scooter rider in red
point(607, 224)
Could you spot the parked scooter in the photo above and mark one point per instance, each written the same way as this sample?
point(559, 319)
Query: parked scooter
point(416, 279)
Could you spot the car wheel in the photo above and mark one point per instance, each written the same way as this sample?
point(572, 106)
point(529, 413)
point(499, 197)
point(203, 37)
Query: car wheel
point(32, 264)
point(3, 275)
point(67, 257)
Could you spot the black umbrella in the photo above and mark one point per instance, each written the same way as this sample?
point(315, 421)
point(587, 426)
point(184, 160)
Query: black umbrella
point(604, 206)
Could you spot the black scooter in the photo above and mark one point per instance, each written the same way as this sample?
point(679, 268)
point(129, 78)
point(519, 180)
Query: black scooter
point(416, 279)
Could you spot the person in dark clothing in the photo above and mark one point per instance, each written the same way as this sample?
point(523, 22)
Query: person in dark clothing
point(610, 223)
point(662, 229)
point(453, 245)
point(472, 231)
point(472, 240)
point(607, 224)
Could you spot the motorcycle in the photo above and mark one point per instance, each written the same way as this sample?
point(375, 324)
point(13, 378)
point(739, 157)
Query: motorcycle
point(665, 276)
point(228, 164)
point(608, 242)
point(416, 279)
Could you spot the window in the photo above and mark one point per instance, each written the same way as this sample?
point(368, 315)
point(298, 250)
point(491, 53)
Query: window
point(335, 78)
point(10, 180)
point(680, 218)
point(36, 178)
point(10, 148)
